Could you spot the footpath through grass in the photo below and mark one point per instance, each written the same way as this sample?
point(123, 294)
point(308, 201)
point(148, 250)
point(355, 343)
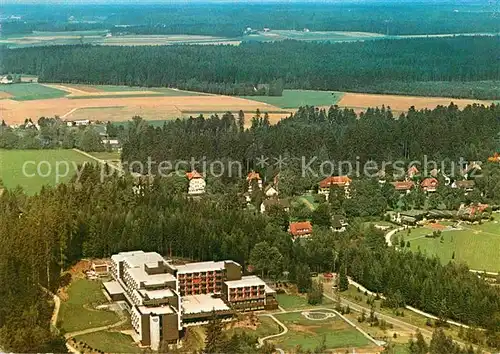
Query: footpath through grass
point(32, 169)
point(31, 91)
point(79, 313)
point(298, 98)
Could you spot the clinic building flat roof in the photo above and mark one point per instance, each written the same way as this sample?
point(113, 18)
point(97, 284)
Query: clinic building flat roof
point(250, 280)
point(204, 303)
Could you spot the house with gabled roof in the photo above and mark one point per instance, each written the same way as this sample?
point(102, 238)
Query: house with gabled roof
point(300, 229)
point(466, 185)
point(403, 186)
point(340, 181)
point(429, 184)
point(270, 191)
point(197, 183)
point(252, 179)
point(283, 204)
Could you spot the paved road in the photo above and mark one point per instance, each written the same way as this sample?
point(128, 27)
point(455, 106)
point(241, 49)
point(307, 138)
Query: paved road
point(285, 331)
point(95, 329)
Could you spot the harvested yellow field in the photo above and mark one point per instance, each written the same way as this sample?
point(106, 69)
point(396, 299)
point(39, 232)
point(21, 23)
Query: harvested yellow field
point(84, 90)
point(361, 101)
point(4, 95)
point(124, 108)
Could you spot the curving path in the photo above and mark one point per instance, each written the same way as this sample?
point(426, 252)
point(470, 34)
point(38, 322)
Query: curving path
point(285, 330)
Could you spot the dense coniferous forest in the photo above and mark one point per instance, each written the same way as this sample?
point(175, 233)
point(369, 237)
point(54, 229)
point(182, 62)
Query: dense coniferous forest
point(56, 228)
point(445, 133)
point(231, 20)
point(59, 226)
point(356, 66)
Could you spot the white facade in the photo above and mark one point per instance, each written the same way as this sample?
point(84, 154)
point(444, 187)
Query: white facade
point(196, 186)
point(154, 332)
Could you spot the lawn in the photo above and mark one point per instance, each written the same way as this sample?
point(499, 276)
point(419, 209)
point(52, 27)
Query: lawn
point(31, 91)
point(310, 333)
point(293, 302)
point(290, 302)
point(266, 327)
point(476, 245)
point(41, 167)
point(105, 155)
point(298, 98)
point(110, 342)
point(78, 313)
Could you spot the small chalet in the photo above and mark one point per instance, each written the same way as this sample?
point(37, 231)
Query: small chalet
point(338, 223)
point(412, 172)
point(340, 181)
point(113, 143)
point(7, 79)
point(472, 211)
point(466, 185)
point(196, 183)
point(252, 178)
point(269, 203)
point(429, 184)
point(403, 186)
point(270, 191)
point(300, 229)
point(100, 268)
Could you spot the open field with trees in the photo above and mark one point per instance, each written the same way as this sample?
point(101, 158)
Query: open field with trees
point(78, 311)
point(476, 245)
point(12, 161)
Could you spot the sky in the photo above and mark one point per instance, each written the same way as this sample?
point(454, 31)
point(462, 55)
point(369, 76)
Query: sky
point(138, 2)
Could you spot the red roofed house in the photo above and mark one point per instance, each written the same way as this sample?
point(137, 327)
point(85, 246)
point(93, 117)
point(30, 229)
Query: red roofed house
point(196, 183)
point(429, 184)
point(412, 172)
point(404, 186)
point(253, 177)
point(340, 181)
point(300, 229)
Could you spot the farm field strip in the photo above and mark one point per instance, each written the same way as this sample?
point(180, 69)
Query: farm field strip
point(298, 98)
point(151, 108)
point(400, 103)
